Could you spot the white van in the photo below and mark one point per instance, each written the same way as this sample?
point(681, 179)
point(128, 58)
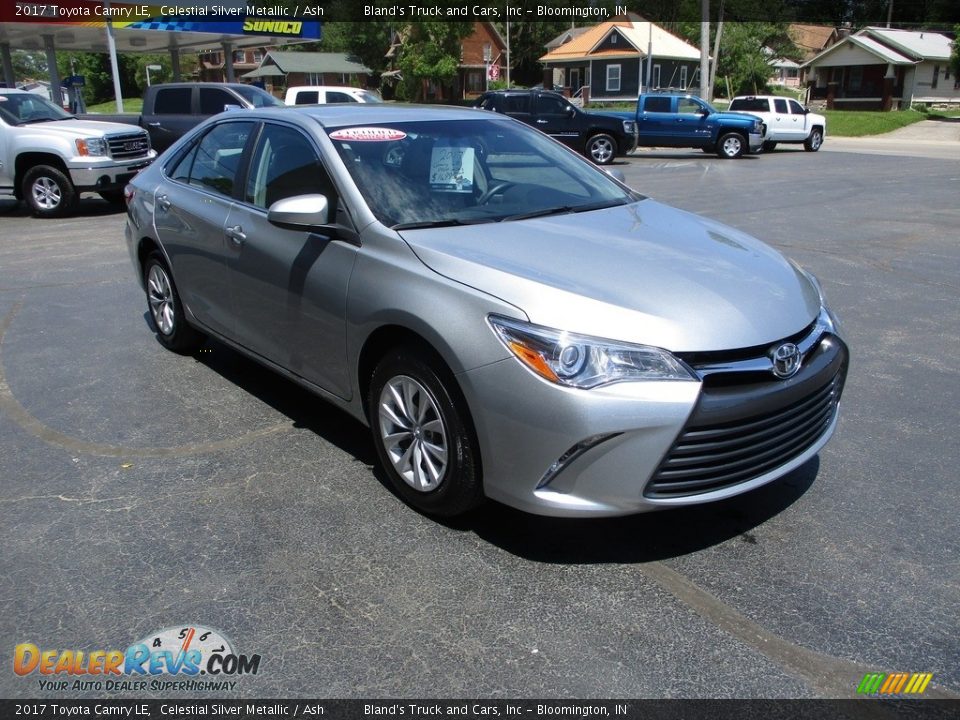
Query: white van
point(324, 94)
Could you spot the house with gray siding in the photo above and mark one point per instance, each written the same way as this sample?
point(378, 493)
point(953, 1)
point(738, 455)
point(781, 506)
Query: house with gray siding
point(612, 60)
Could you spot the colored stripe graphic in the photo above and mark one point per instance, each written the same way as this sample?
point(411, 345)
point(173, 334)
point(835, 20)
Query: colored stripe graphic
point(894, 683)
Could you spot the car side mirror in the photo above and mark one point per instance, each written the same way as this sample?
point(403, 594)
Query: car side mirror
point(571, 110)
point(703, 111)
point(299, 211)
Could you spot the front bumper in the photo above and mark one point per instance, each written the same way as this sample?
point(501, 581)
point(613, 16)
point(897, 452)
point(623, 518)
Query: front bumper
point(611, 450)
point(88, 175)
point(756, 142)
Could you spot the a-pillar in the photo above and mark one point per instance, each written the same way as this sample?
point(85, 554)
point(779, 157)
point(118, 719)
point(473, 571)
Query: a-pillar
point(51, 51)
point(8, 76)
point(228, 61)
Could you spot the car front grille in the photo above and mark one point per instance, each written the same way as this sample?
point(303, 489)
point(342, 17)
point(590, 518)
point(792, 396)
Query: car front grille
point(129, 146)
point(739, 432)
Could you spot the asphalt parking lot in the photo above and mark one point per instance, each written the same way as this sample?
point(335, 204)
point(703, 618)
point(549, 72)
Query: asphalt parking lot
point(144, 490)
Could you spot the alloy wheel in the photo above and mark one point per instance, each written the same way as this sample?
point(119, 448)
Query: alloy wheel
point(413, 433)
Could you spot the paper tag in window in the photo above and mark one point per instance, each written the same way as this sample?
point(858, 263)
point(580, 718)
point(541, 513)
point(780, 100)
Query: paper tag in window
point(367, 134)
point(451, 169)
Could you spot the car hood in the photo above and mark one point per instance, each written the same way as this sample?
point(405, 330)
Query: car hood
point(643, 272)
point(83, 128)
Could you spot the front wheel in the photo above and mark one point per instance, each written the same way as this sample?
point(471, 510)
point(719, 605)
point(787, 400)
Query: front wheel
point(730, 146)
point(602, 149)
point(813, 143)
point(48, 192)
point(422, 433)
point(165, 307)
point(769, 145)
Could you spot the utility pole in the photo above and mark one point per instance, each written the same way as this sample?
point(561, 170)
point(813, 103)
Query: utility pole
point(704, 49)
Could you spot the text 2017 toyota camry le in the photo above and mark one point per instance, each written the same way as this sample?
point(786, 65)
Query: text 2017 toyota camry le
point(509, 320)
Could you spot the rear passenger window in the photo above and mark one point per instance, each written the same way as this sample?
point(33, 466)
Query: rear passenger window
point(750, 105)
point(516, 104)
point(216, 161)
point(656, 104)
point(172, 101)
point(307, 97)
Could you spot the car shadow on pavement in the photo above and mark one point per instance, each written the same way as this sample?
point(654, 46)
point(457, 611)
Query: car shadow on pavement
point(306, 410)
point(646, 537)
point(640, 538)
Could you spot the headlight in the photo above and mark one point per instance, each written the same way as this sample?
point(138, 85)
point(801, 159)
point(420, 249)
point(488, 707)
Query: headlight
point(629, 127)
point(92, 146)
point(581, 361)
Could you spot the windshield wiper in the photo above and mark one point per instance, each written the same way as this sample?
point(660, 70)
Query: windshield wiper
point(439, 223)
point(564, 209)
point(37, 120)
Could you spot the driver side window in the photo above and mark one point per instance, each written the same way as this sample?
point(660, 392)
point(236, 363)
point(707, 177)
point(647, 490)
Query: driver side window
point(286, 164)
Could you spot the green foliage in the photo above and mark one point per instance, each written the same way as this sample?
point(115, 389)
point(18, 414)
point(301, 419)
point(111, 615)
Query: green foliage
point(859, 123)
point(367, 41)
point(431, 51)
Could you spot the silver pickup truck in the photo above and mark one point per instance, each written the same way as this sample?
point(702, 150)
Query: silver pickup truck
point(48, 157)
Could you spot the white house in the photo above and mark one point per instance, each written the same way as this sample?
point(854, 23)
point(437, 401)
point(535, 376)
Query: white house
point(883, 68)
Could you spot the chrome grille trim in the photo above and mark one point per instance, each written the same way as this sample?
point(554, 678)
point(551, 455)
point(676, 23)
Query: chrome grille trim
point(128, 146)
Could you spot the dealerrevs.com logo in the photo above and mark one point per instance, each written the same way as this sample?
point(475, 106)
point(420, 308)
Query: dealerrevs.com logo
point(184, 652)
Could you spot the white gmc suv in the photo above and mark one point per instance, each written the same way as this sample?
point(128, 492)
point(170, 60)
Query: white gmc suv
point(787, 120)
point(48, 157)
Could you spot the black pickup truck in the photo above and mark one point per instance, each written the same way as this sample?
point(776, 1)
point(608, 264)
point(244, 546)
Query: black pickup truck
point(598, 136)
point(170, 110)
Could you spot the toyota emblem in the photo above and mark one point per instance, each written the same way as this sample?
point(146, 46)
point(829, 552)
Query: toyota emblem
point(786, 360)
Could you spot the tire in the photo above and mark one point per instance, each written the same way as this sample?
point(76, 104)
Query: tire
point(601, 148)
point(115, 199)
point(48, 192)
point(730, 145)
point(423, 434)
point(769, 146)
point(165, 308)
point(813, 143)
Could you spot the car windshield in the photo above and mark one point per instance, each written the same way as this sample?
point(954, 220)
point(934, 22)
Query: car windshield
point(23, 108)
point(259, 98)
point(459, 172)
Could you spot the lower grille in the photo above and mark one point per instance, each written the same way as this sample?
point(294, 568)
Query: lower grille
point(711, 454)
point(133, 145)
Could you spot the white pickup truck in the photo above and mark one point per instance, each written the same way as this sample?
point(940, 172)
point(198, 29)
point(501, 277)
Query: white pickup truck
point(47, 157)
point(787, 120)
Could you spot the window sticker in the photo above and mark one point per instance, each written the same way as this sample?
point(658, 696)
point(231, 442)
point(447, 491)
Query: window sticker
point(368, 134)
point(451, 169)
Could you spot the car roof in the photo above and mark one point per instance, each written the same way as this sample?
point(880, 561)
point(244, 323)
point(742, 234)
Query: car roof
point(368, 114)
point(15, 91)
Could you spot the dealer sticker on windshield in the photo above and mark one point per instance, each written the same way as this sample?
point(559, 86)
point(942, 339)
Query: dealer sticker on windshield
point(368, 134)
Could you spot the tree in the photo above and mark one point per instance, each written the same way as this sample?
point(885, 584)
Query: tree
point(430, 52)
point(955, 56)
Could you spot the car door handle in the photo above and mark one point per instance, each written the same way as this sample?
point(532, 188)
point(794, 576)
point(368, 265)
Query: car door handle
point(542, 122)
point(236, 234)
point(164, 202)
point(153, 124)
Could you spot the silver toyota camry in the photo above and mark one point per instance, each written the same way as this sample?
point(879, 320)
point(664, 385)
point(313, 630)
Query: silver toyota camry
point(509, 320)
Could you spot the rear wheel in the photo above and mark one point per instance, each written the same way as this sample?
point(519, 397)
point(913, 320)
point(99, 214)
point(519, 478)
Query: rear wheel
point(166, 310)
point(814, 141)
point(423, 434)
point(602, 149)
point(730, 146)
point(48, 192)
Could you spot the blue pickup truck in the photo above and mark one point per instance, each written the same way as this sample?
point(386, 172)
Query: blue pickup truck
point(677, 120)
